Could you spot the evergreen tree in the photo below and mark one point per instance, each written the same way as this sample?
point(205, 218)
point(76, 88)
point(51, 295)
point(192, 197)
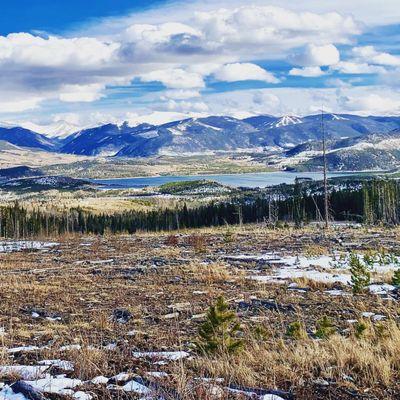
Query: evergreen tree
point(396, 278)
point(219, 332)
point(360, 276)
point(325, 328)
point(296, 330)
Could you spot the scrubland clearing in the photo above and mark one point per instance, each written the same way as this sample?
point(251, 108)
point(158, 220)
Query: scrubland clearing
point(118, 316)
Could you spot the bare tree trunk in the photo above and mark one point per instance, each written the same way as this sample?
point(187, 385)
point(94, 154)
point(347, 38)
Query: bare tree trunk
point(326, 200)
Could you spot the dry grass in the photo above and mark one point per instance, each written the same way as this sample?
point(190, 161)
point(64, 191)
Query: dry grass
point(371, 361)
point(153, 277)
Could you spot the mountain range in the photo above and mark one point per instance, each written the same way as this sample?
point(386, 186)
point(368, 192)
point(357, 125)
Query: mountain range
point(354, 142)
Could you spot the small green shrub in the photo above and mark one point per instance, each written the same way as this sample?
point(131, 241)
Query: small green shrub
point(296, 330)
point(396, 278)
point(325, 328)
point(360, 276)
point(218, 334)
point(360, 329)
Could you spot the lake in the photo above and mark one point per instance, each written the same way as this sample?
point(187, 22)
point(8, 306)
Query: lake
point(261, 179)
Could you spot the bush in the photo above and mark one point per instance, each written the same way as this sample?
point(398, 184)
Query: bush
point(325, 328)
point(360, 329)
point(198, 243)
point(218, 334)
point(360, 276)
point(172, 240)
point(396, 278)
point(296, 330)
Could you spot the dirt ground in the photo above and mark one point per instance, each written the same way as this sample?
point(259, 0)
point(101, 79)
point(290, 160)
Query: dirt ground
point(106, 297)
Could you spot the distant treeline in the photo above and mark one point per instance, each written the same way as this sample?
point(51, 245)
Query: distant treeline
point(372, 202)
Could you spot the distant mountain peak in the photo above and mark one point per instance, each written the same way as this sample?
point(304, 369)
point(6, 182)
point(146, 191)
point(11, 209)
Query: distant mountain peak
point(287, 120)
point(60, 129)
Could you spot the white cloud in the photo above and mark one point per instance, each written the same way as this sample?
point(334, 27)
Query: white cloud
point(180, 94)
point(242, 72)
point(316, 56)
point(81, 93)
point(185, 106)
point(179, 45)
point(369, 55)
point(371, 103)
point(19, 104)
point(307, 72)
point(34, 51)
point(348, 67)
point(175, 78)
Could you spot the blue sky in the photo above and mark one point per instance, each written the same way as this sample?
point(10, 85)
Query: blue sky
point(94, 61)
point(57, 16)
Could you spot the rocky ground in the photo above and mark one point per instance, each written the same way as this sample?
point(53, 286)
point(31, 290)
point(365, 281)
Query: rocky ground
point(116, 317)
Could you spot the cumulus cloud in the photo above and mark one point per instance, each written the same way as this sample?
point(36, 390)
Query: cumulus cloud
point(242, 72)
point(181, 49)
point(371, 103)
point(369, 54)
point(81, 93)
point(316, 56)
point(185, 106)
point(349, 67)
point(27, 50)
point(307, 72)
point(177, 78)
point(180, 94)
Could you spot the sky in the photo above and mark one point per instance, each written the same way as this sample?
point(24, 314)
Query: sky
point(99, 61)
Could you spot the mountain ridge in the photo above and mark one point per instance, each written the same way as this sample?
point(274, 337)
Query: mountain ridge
point(290, 138)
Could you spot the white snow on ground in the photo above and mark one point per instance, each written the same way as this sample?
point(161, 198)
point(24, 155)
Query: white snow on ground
point(253, 395)
point(79, 395)
point(381, 288)
point(136, 387)
point(23, 349)
point(165, 355)
point(328, 269)
point(100, 380)
point(70, 347)
point(10, 246)
point(24, 371)
point(59, 385)
point(64, 365)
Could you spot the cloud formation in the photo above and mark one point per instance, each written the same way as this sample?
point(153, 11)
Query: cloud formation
point(181, 50)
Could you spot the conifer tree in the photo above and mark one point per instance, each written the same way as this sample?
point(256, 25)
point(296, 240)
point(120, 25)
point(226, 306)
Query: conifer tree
point(396, 278)
point(218, 333)
point(360, 276)
point(325, 328)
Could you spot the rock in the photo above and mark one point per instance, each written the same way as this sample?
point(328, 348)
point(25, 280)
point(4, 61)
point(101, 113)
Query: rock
point(321, 382)
point(171, 315)
point(41, 313)
point(121, 315)
point(258, 305)
point(27, 391)
point(180, 306)
point(100, 380)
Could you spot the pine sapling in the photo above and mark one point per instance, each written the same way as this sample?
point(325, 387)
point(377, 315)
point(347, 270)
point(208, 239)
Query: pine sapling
point(325, 328)
point(218, 334)
point(396, 278)
point(360, 276)
point(296, 330)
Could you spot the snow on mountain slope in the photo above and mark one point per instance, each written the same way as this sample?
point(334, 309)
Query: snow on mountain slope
point(60, 129)
point(287, 120)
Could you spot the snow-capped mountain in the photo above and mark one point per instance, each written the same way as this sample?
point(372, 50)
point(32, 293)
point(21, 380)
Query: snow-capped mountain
point(194, 135)
point(59, 129)
point(297, 138)
point(25, 138)
point(368, 152)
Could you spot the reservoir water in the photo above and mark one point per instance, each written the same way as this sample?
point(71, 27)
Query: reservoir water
point(262, 179)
